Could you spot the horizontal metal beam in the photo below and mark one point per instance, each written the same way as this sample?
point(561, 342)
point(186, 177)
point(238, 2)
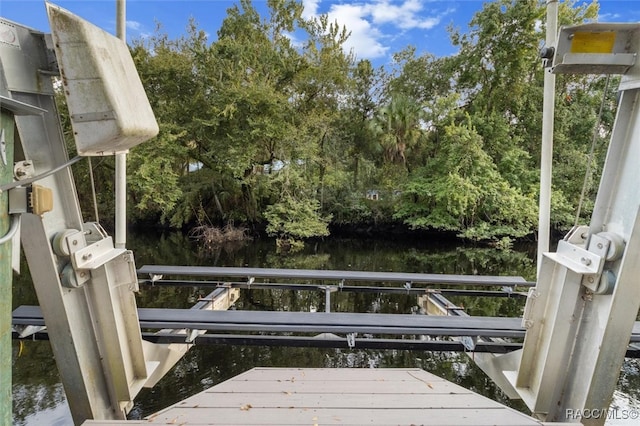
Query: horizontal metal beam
point(309, 322)
point(316, 322)
point(334, 342)
point(417, 291)
point(335, 275)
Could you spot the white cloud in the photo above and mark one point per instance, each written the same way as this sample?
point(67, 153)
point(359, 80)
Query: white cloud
point(134, 25)
point(365, 38)
point(374, 22)
point(295, 41)
point(405, 15)
point(310, 8)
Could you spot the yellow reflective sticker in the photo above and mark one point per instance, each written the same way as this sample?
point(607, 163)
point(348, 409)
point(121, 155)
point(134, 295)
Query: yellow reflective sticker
point(593, 42)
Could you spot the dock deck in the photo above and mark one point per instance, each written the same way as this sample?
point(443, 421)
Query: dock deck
point(344, 396)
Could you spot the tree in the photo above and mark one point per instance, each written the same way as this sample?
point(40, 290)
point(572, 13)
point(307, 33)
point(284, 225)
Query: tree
point(397, 128)
point(461, 190)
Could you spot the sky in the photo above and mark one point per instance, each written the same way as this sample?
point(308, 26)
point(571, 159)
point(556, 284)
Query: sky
point(378, 28)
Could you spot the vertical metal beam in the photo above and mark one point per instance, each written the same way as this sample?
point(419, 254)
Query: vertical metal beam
point(606, 320)
point(6, 176)
point(327, 299)
point(546, 154)
point(580, 315)
point(121, 157)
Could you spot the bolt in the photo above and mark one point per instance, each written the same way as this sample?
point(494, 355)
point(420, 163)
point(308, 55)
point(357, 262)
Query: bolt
point(590, 279)
point(87, 256)
point(586, 261)
point(82, 274)
point(600, 245)
point(74, 242)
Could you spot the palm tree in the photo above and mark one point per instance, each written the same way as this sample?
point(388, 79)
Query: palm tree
point(397, 126)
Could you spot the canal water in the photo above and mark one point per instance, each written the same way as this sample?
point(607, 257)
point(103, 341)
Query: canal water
point(38, 397)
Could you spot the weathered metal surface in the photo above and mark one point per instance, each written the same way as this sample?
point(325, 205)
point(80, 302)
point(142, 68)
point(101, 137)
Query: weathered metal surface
point(584, 307)
point(108, 107)
point(99, 372)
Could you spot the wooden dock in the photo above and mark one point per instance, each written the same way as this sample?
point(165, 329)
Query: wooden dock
point(312, 396)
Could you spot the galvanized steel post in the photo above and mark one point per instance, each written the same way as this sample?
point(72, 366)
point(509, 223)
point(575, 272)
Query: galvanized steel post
point(546, 153)
point(121, 157)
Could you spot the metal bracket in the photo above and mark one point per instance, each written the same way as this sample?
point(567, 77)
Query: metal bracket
point(600, 246)
point(469, 342)
point(93, 116)
point(192, 334)
point(577, 259)
point(24, 170)
point(351, 340)
point(95, 255)
point(28, 330)
point(578, 236)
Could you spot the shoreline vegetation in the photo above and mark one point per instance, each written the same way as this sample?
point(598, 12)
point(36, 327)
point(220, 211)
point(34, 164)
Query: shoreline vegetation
point(209, 236)
point(297, 140)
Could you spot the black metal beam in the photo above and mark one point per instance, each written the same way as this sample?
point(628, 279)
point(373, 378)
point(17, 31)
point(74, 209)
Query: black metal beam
point(416, 291)
point(334, 275)
point(316, 322)
point(308, 322)
point(342, 343)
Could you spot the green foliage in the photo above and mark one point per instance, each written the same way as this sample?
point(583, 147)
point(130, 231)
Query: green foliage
point(257, 129)
point(461, 190)
point(396, 126)
point(291, 218)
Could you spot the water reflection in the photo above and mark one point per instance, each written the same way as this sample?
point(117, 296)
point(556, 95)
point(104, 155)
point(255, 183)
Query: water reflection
point(38, 394)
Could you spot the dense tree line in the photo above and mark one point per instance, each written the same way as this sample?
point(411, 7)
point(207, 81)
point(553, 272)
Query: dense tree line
point(257, 129)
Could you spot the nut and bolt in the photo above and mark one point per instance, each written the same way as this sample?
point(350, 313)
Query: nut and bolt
point(585, 261)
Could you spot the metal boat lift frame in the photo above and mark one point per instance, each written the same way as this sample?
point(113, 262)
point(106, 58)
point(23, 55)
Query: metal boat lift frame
point(578, 319)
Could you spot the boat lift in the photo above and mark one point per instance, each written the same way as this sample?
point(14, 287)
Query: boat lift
point(578, 319)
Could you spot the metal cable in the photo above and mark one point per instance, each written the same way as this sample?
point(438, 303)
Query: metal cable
point(13, 228)
point(93, 191)
point(29, 181)
point(587, 172)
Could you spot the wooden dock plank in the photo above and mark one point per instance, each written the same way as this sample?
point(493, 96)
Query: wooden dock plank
point(346, 374)
point(339, 386)
point(270, 396)
point(334, 400)
point(348, 416)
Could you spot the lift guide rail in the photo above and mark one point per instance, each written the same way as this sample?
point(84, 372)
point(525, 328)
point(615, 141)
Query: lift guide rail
point(85, 286)
point(580, 314)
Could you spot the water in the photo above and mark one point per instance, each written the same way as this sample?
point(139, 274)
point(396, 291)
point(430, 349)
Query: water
point(39, 397)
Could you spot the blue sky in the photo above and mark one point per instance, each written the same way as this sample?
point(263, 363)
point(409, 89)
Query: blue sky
point(379, 27)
